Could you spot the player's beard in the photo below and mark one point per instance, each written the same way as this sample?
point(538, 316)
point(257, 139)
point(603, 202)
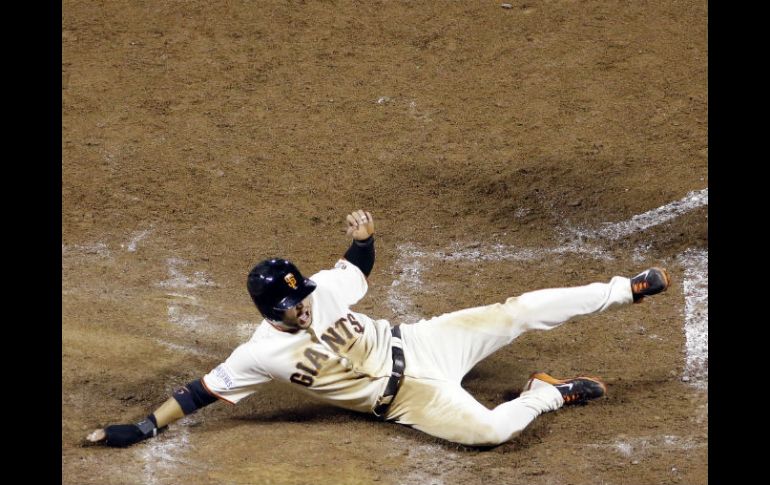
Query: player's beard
point(305, 318)
point(295, 321)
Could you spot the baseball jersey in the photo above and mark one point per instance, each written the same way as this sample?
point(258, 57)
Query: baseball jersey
point(344, 357)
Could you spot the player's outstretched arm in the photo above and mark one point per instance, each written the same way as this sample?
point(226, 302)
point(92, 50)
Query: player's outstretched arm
point(185, 400)
point(361, 251)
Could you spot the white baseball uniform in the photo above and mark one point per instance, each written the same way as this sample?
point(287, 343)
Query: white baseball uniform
point(345, 357)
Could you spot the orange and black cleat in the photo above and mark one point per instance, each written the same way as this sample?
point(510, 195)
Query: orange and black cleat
point(578, 390)
point(649, 282)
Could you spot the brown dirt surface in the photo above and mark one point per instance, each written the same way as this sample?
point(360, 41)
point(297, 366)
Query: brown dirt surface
point(491, 144)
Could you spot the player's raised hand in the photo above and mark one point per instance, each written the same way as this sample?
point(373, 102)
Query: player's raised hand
point(360, 225)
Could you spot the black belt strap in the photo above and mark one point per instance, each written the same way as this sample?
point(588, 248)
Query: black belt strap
point(391, 389)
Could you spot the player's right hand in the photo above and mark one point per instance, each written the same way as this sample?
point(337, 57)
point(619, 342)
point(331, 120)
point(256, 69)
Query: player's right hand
point(360, 225)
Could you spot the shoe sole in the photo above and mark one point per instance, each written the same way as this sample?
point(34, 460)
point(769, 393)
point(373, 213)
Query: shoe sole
point(542, 376)
point(666, 278)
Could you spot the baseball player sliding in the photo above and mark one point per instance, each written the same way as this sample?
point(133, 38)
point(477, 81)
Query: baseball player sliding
point(409, 374)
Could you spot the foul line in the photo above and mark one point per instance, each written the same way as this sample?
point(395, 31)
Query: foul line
point(408, 281)
point(696, 302)
point(654, 217)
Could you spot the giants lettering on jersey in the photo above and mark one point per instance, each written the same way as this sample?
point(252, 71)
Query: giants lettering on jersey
point(337, 336)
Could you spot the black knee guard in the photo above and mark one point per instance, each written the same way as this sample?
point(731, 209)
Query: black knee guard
point(193, 397)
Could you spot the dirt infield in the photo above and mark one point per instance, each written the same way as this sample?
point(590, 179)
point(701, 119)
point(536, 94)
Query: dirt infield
point(500, 150)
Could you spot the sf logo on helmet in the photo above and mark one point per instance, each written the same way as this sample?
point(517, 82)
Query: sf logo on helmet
point(291, 281)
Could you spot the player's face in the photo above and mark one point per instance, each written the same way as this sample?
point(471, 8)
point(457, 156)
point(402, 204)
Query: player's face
point(300, 315)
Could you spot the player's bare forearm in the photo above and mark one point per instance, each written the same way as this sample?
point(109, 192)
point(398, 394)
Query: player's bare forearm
point(169, 412)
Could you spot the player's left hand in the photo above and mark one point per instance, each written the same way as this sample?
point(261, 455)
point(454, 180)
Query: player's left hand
point(360, 225)
point(97, 436)
point(121, 435)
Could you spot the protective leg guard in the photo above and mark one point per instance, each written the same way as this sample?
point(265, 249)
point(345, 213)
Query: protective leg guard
point(193, 397)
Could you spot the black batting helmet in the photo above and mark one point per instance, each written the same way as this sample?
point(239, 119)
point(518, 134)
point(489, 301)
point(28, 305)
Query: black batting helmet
point(276, 285)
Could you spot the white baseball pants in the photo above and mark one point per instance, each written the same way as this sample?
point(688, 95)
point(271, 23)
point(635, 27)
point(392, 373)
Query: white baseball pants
point(440, 351)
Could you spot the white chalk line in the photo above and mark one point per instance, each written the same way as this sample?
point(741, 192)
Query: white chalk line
point(135, 238)
point(177, 280)
point(695, 285)
point(654, 217)
point(98, 249)
point(193, 300)
point(161, 455)
point(409, 268)
point(501, 252)
point(101, 249)
point(639, 447)
point(178, 316)
point(183, 311)
point(432, 464)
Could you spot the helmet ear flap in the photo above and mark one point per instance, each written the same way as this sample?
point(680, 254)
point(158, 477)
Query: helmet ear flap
point(270, 312)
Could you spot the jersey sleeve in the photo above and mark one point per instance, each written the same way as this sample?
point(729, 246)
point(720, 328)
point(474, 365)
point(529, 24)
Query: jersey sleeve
point(345, 280)
point(238, 376)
